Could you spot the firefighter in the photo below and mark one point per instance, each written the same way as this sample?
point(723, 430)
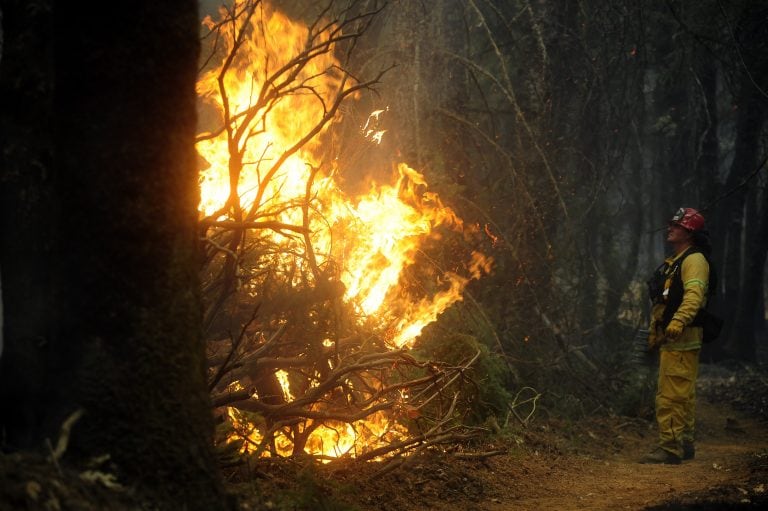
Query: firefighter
point(678, 291)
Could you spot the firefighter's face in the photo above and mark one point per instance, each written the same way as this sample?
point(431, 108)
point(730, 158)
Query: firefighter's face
point(677, 234)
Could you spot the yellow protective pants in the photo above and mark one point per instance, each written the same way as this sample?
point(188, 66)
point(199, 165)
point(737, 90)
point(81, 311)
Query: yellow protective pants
point(676, 398)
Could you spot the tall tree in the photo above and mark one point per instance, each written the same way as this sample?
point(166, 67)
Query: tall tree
point(744, 210)
point(98, 246)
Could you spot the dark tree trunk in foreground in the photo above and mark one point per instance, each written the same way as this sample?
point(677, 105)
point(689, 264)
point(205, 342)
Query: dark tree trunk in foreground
point(97, 248)
point(28, 216)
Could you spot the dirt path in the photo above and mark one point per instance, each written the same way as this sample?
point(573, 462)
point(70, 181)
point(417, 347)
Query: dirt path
point(721, 474)
point(592, 464)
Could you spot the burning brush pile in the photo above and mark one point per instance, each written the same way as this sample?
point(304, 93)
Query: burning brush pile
point(309, 316)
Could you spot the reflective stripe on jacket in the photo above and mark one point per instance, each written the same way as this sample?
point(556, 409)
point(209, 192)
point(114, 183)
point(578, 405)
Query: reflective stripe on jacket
point(694, 273)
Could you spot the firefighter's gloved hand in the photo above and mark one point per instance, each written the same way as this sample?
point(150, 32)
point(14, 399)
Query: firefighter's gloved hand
point(674, 329)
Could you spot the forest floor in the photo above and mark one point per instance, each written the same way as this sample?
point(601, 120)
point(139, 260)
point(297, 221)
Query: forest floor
point(564, 465)
point(590, 464)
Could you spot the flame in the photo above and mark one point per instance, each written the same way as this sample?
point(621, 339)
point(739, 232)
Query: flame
point(371, 238)
point(271, 43)
point(383, 233)
point(328, 440)
point(285, 384)
point(370, 130)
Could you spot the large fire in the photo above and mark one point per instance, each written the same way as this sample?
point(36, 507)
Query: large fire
point(269, 164)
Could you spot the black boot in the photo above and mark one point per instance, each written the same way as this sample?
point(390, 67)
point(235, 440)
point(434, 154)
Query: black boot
point(661, 456)
point(689, 451)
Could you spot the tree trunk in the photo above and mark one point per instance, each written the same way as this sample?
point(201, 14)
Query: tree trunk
point(729, 233)
point(98, 244)
point(744, 342)
point(27, 216)
point(738, 234)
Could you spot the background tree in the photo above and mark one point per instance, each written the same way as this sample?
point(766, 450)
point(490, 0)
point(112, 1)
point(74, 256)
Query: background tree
point(742, 228)
point(98, 246)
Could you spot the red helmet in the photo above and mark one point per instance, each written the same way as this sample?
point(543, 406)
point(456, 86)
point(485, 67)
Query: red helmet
point(688, 218)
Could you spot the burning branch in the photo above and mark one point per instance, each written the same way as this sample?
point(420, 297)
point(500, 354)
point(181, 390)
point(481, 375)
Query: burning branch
point(306, 276)
point(245, 120)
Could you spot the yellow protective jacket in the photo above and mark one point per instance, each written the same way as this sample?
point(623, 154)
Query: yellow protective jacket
point(694, 273)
